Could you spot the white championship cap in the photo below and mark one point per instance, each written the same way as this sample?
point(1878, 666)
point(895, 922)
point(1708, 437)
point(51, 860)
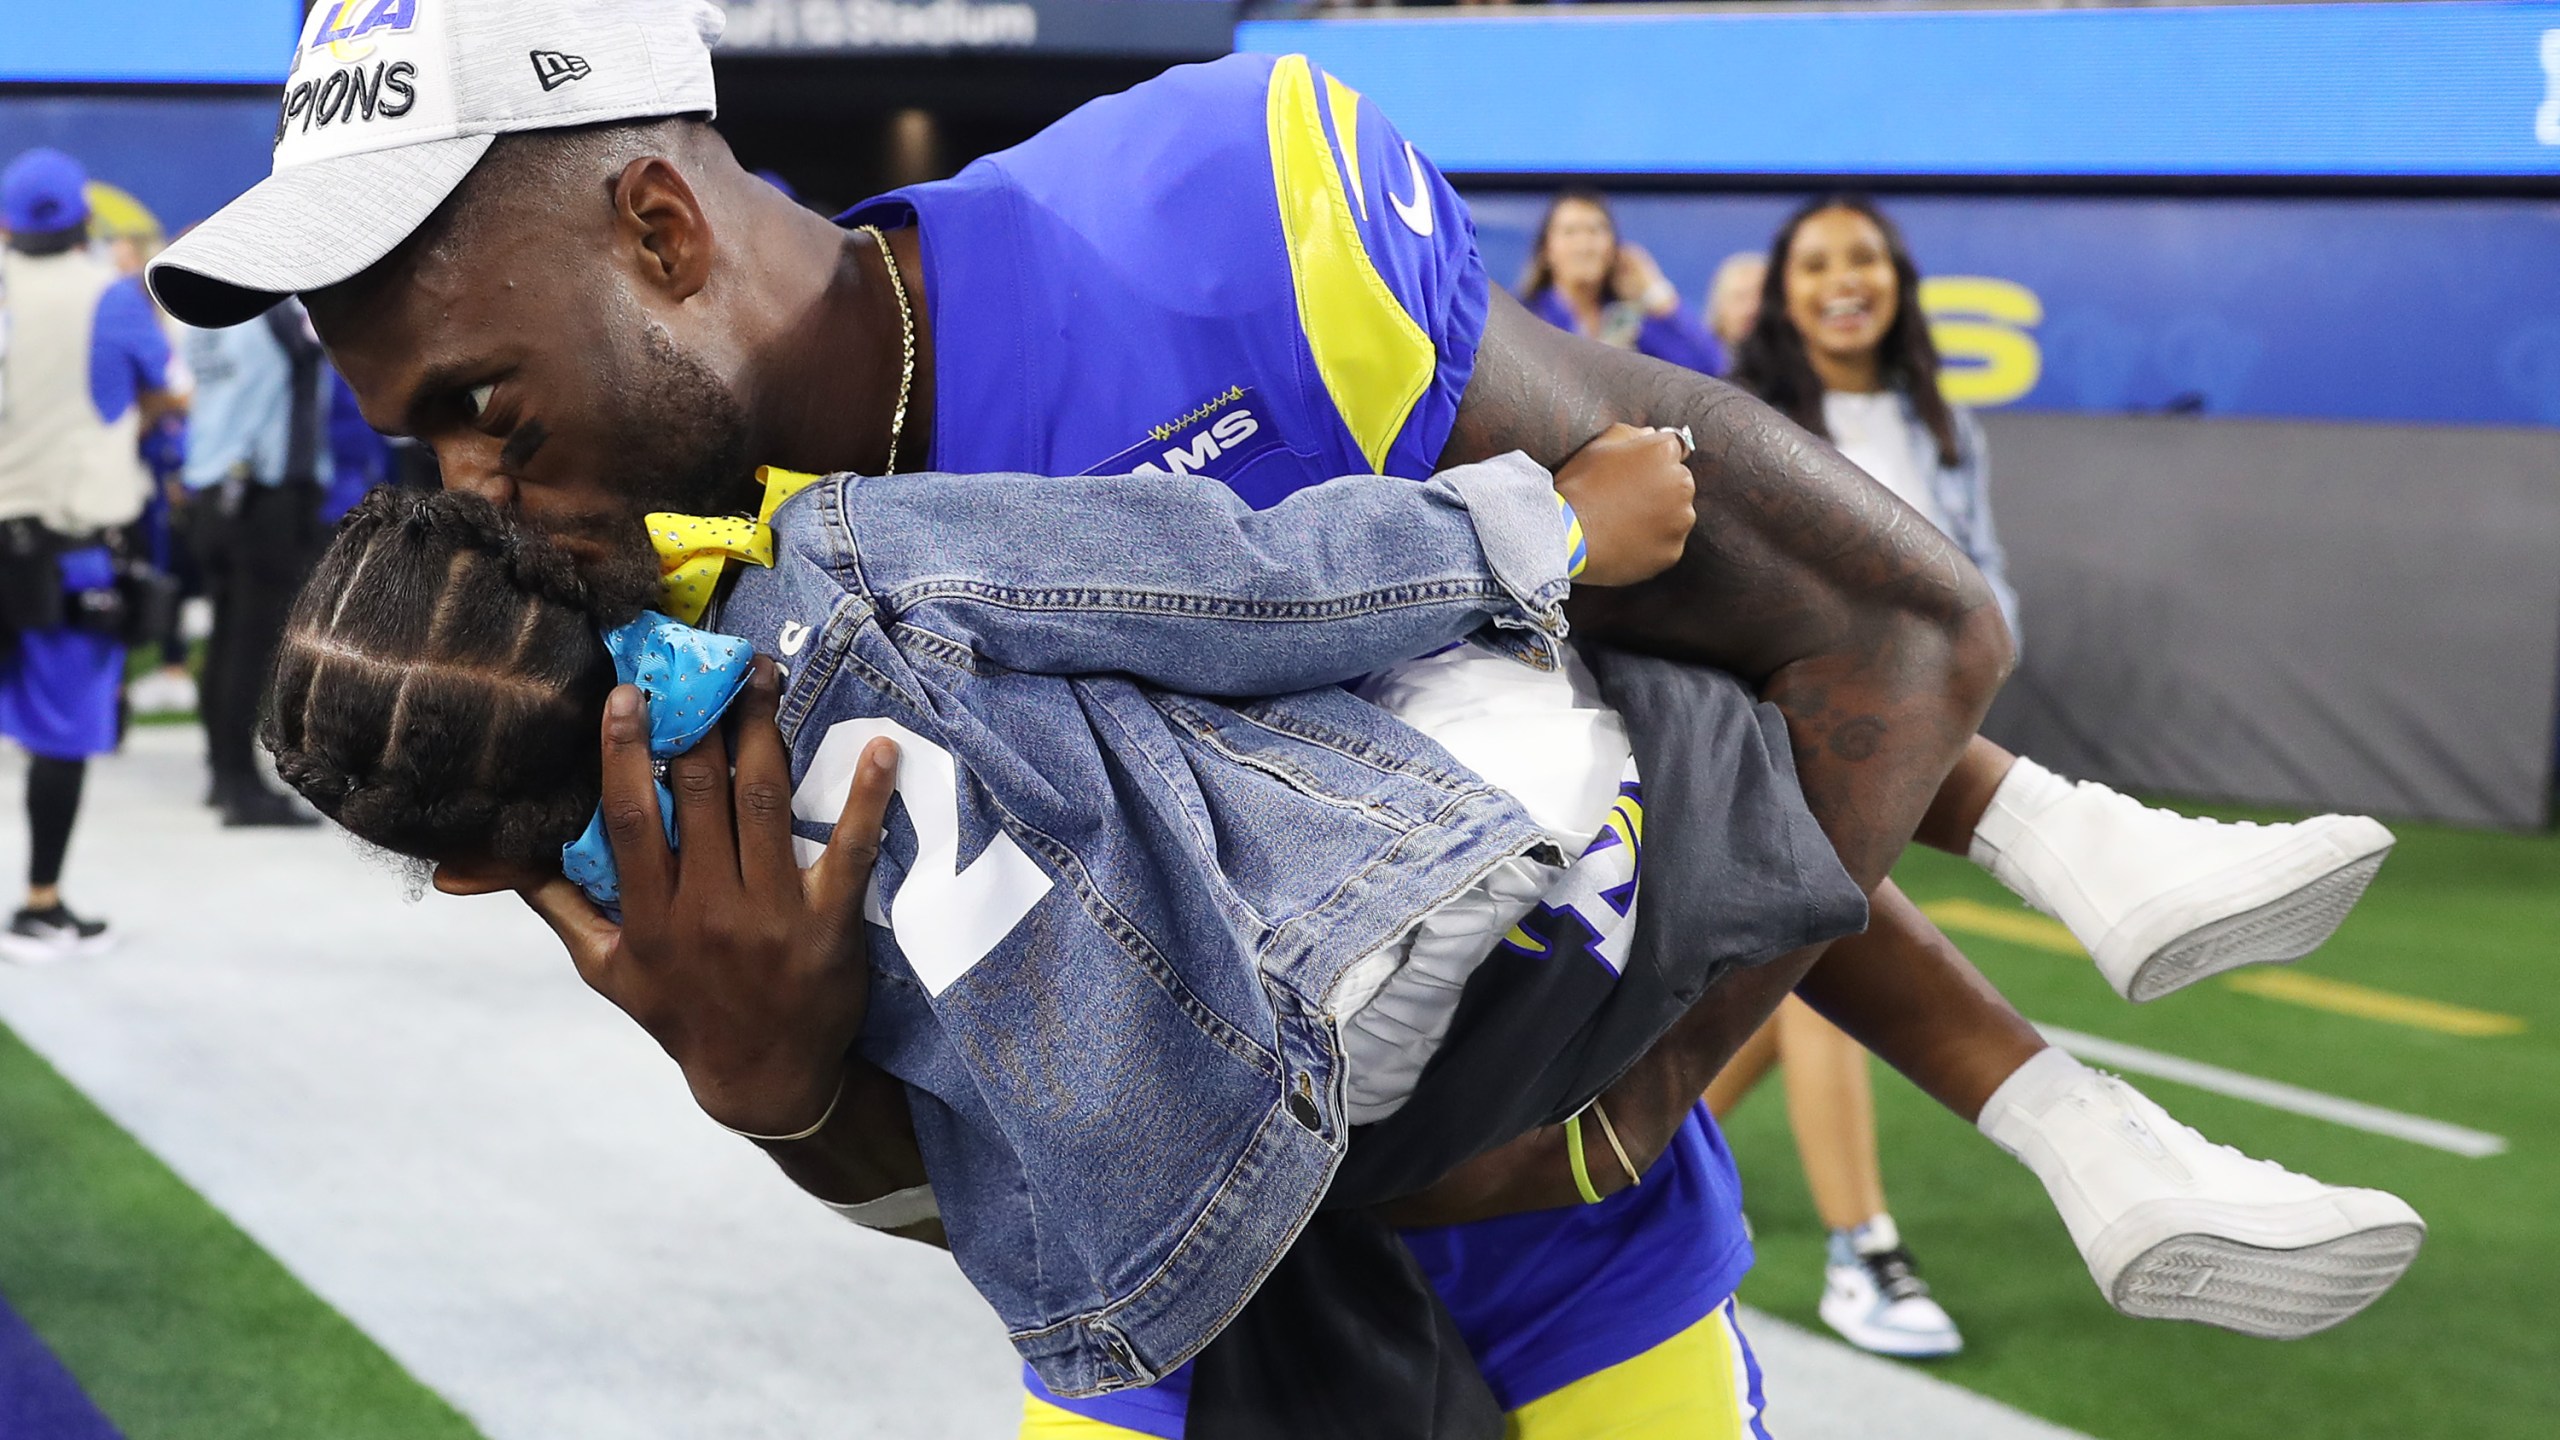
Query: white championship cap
point(391, 102)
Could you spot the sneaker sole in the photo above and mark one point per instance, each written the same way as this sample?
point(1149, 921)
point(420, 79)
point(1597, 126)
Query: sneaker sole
point(1892, 1344)
point(2270, 1292)
point(2272, 932)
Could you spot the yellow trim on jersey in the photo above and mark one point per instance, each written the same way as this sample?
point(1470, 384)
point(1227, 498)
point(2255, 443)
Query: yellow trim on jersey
point(1692, 1386)
point(1626, 817)
point(1044, 1421)
point(1374, 360)
point(1344, 102)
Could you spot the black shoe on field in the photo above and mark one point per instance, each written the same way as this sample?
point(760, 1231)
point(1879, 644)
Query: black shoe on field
point(41, 937)
point(256, 807)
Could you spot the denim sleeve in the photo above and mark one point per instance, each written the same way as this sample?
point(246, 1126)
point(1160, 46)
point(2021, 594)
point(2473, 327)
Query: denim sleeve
point(1176, 581)
point(1983, 539)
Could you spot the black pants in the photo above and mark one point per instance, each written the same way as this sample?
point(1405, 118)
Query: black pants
point(53, 804)
point(255, 558)
point(1347, 1340)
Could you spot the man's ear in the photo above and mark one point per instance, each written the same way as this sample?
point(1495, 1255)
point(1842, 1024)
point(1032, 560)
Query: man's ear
point(658, 215)
point(485, 877)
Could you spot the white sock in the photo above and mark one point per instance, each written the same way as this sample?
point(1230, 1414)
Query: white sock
point(2030, 1090)
point(2025, 793)
point(1876, 1236)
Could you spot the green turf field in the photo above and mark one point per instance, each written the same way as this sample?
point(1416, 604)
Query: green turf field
point(181, 1328)
point(177, 1325)
point(2463, 1347)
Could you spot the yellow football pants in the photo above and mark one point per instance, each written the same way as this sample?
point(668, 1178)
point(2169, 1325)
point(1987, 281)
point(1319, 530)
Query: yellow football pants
point(1697, 1385)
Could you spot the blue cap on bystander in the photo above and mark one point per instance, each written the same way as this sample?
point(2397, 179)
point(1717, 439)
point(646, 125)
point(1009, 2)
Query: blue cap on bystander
point(43, 191)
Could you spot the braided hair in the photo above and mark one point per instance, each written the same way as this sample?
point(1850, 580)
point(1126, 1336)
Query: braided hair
point(441, 682)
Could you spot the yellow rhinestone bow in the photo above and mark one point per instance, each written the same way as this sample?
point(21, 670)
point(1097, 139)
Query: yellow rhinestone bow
point(695, 550)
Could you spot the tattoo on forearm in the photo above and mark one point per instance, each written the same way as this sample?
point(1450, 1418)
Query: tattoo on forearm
point(1858, 739)
point(1804, 577)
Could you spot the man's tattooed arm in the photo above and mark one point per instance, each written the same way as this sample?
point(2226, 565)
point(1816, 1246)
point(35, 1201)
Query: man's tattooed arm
point(1877, 639)
point(1850, 612)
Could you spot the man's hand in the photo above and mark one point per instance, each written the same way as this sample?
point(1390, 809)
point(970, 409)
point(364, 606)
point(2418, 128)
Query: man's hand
point(1637, 501)
point(751, 975)
point(1636, 277)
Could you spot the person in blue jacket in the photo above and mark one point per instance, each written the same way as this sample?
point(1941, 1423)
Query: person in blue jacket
point(1584, 277)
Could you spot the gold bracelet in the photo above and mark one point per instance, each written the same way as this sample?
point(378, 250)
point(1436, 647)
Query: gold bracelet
point(1610, 1131)
point(841, 1082)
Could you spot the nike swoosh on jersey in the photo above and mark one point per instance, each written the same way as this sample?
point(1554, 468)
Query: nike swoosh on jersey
point(1415, 214)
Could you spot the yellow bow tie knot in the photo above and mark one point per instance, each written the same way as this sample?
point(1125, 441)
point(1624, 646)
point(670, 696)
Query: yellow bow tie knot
point(694, 551)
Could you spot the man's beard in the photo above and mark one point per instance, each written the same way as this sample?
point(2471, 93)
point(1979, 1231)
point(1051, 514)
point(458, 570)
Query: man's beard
point(692, 462)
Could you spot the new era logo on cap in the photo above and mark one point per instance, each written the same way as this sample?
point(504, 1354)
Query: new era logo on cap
point(554, 69)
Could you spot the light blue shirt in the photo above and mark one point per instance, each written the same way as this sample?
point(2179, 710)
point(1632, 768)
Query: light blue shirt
point(243, 410)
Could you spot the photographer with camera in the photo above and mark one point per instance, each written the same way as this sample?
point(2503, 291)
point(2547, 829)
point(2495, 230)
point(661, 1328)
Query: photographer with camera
point(82, 365)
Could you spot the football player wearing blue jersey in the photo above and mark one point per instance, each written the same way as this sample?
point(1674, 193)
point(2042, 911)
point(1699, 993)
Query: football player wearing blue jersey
point(590, 309)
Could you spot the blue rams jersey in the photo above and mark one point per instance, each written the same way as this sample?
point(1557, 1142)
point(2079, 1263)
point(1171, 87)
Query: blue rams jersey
point(1237, 270)
point(1241, 270)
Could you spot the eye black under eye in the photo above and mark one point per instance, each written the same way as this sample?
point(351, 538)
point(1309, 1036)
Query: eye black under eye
point(523, 445)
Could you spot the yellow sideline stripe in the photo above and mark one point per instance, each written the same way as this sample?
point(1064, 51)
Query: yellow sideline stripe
point(1972, 917)
point(2340, 997)
point(2290, 987)
point(1374, 360)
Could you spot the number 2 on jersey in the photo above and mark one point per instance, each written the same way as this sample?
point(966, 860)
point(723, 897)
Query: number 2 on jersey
point(946, 919)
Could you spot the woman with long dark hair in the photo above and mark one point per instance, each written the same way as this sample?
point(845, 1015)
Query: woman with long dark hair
point(1583, 278)
point(1839, 344)
point(1842, 349)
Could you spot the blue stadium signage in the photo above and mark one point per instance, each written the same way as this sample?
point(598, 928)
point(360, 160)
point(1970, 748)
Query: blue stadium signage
point(2460, 88)
point(2434, 311)
point(1174, 28)
point(239, 42)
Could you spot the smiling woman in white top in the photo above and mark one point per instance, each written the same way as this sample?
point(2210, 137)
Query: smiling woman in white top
point(1839, 345)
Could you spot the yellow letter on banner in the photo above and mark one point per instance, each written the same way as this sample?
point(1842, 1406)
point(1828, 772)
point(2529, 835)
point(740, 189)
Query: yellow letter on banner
point(1982, 327)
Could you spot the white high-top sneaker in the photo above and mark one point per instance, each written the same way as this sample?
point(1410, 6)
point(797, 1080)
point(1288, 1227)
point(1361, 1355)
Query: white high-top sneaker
point(2175, 1227)
point(2162, 900)
point(1872, 1294)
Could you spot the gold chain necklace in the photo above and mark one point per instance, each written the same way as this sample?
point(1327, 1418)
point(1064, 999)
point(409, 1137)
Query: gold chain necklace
point(907, 327)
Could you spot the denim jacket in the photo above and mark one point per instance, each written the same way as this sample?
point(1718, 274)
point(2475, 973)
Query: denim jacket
point(1963, 493)
point(1116, 908)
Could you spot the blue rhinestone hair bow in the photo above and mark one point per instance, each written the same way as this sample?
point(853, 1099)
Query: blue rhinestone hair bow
point(688, 678)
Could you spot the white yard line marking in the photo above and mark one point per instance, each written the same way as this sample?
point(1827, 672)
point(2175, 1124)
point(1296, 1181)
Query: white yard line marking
point(1820, 1389)
point(2277, 1095)
point(424, 1115)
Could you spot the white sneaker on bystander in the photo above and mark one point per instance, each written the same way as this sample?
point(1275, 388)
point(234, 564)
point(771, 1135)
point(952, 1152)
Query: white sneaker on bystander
point(1873, 1295)
point(170, 691)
